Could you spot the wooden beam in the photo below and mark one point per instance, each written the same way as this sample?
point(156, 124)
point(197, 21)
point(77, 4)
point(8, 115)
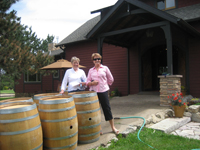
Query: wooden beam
point(168, 36)
point(141, 27)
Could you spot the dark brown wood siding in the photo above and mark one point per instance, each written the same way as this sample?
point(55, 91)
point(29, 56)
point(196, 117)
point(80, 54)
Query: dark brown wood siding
point(134, 70)
point(32, 88)
point(47, 83)
point(183, 3)
point(179, 3)
point(19, 84)
point(194, 65)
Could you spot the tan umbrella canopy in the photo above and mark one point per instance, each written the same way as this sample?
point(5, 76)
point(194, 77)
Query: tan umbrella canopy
point(60, 64)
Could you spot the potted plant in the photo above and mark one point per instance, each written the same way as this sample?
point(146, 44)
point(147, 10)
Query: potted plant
point(177, 104)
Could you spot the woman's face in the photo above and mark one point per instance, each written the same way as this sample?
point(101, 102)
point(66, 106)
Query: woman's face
point(75, 65)
point(97, 60)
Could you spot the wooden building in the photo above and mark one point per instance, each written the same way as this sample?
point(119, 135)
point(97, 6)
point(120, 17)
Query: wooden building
point(139, 40)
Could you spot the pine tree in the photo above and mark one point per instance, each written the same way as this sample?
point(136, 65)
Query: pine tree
point(20, 49)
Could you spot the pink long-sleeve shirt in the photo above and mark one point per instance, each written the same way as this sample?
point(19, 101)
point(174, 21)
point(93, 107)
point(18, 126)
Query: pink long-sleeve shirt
point(103, 76)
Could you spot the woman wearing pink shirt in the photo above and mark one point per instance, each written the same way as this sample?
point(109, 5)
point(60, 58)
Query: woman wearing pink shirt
point(99, 78)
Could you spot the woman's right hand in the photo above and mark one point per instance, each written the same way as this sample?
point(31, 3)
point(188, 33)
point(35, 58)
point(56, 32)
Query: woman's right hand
point(62, 92)
point(94, 83)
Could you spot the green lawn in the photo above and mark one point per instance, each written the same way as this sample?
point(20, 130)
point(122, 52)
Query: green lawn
point(156, 139)
point(7, 92)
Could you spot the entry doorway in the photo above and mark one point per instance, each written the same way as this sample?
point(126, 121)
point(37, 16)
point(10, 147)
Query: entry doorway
point(154, 63)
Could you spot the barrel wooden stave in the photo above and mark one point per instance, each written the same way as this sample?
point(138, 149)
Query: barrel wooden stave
point(59, 134)
point(20, 130)
point(89, 116)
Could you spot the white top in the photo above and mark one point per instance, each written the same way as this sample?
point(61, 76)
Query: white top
point(73, 78)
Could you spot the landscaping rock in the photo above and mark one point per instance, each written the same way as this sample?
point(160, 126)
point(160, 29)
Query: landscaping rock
point(149, 120)
point(129, 130)
point(155, 119)
point(169, 113)
point(187, 114)
point(187, 98)
point(194, 108)
point(195, 117)
point(161, 115)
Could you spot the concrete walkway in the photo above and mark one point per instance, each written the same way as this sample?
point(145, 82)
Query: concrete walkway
point(179, 126)
point(7, 95)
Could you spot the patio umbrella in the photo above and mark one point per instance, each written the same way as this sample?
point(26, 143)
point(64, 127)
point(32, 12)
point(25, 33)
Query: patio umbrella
point(60, 64)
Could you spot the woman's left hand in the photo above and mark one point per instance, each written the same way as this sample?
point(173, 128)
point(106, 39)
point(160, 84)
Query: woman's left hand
point(83, 83)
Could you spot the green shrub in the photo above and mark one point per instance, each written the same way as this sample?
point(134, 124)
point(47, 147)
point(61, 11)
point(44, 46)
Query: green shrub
point(5, 88)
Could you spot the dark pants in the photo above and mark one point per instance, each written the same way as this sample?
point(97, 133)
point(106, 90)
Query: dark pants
point(105, 105)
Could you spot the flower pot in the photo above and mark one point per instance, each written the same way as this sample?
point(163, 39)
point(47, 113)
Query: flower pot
point(179, 111)
point(183, 92)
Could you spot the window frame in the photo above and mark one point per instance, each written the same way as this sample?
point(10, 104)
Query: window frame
point(165, 1)
point(37, 77)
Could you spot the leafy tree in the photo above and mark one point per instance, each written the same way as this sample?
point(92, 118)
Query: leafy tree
point(20, 49)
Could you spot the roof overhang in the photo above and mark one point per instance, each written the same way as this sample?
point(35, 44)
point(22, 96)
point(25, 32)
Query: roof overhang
point(133, 18)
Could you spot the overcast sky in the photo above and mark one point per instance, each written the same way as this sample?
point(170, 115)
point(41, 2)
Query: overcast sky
point(57, 17)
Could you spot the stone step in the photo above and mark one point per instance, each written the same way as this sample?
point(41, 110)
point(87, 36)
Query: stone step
point(170, 124)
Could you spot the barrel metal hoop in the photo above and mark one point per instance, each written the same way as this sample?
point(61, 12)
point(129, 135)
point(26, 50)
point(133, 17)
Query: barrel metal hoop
point(86, 112)
point(39, 97)
point(20, 132)
point(64, 100)
point(18, 120)
point(83, 95)
point(85, 103)
point(56, 110)
point(38, 147)
point(89, 141)
point(59, 120)
point(89, 127)
point(88, 135)
point(61, 138)
point(18, 110)
point(60, 147)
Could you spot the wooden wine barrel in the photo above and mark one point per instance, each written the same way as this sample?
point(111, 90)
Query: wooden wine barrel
point(37, 97)
point(89, 116)
point(59, 122)
point(20, 127)
point(16, 100)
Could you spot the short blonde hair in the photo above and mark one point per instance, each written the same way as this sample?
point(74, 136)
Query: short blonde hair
point(96, 54)
point(75, 59)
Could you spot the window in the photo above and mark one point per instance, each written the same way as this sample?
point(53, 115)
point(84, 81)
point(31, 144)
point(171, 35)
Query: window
point(165, 4)
point(32, 78)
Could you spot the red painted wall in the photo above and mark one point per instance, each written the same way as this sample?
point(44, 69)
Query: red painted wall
point(194, 65)
point(115, 58)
